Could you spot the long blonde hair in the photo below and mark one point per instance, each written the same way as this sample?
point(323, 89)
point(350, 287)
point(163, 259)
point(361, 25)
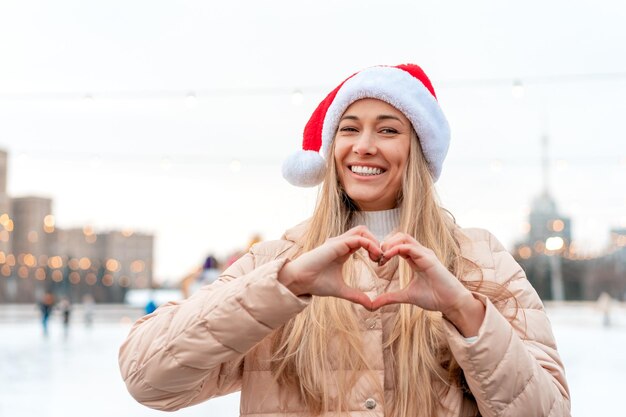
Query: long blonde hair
point(325, 341)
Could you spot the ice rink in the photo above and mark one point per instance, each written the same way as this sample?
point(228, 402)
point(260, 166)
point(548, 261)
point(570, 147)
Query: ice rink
point(77, 374)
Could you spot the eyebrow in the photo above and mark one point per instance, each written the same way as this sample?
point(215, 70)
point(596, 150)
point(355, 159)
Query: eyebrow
point(379, 117)
point(388, 116)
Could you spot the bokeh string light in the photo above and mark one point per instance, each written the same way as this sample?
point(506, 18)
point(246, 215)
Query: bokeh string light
point(297, 94)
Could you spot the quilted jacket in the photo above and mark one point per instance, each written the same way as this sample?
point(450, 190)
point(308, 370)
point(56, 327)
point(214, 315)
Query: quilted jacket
point(190, 351)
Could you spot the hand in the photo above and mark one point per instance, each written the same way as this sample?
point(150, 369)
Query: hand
point(433, 287)
point(319, 271)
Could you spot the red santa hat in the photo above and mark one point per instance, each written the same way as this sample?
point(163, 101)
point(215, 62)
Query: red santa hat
point(406, 87)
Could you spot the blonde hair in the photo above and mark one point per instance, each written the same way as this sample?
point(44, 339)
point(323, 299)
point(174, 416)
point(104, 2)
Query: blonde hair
point(324, 341)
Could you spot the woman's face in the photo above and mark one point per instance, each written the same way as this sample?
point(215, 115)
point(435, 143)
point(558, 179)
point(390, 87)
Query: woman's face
point(371, 152)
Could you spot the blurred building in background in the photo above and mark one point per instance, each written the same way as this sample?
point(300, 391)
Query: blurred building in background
point(32, 225)
point(37, 257)
point(559, 269)
point(5, 204)
point(542, 251)
point(607, 273)
point(567, 273)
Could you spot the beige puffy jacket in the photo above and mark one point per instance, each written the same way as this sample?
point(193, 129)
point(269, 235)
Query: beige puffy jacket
point(187, 352)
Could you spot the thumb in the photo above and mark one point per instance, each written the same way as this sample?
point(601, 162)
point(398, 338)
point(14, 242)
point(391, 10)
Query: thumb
point(355, 296)
point(397, 297)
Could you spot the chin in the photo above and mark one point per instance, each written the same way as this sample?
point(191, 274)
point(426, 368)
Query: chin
point(372, 203)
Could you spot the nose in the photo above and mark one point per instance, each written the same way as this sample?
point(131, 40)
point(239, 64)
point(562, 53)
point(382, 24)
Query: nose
point(365, 144)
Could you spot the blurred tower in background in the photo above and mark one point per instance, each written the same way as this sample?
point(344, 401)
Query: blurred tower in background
point(8, 285)
point(3, 172)
point(31, 243)
point(545, 220)
point(5, 206)
point(549, 237)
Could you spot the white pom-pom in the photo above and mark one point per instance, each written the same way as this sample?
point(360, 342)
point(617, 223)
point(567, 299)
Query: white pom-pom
point(304, 168)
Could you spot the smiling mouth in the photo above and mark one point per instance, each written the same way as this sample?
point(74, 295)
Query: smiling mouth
point(366, 171)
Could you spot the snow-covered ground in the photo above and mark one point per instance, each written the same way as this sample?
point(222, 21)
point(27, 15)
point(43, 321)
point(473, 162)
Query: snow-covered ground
point(78, 375)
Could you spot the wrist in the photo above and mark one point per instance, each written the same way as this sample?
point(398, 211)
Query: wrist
point(288, 277)
point(466, 315)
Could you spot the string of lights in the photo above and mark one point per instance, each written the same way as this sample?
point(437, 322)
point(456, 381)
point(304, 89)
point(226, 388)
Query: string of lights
point(168, 161)
point(516, 83)
point(73, 270)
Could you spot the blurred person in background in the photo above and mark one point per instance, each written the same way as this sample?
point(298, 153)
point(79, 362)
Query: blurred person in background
point(379, 304)
point(151, 304)
point(88, 309)
point(66, 311)
point(204, 275)
point(604, 304)
point(46, 304)
point(233, 257)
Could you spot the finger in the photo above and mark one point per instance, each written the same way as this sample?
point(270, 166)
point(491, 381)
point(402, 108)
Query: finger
point(392, 242)
point(414, 250)
point(356, 242)
point(363, 231)
point(397, 239)
point(387, 298)
point(374, 251)
point(355, 296)
point(410, 252)
point(422, 258)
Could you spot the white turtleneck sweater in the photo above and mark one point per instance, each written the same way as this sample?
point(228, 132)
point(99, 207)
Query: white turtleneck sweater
point(380, 223)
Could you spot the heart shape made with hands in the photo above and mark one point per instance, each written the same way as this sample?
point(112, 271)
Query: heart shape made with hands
point(319, 272)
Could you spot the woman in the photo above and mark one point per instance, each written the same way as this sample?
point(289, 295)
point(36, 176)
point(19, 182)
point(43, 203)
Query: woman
point(377, 305)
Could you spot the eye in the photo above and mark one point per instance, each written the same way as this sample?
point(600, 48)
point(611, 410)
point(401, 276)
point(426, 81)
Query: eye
point(348, 129)
point(388, 131)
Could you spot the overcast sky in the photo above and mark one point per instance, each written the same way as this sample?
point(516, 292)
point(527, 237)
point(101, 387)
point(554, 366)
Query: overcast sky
point(203, 174)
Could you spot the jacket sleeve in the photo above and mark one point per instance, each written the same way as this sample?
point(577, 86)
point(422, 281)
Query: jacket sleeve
point(187, 352)
point(513, 368)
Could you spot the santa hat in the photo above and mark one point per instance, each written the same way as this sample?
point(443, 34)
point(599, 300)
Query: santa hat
point(406, 87)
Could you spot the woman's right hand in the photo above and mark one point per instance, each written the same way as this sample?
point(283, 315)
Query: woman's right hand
point(319, 271)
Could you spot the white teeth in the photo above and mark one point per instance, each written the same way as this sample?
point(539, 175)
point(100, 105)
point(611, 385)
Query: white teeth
point(361, 170)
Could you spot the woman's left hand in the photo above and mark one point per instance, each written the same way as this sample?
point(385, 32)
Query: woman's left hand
point(433, 286)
